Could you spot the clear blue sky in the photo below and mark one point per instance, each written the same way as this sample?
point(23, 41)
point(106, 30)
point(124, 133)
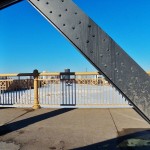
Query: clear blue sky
point(28, 41)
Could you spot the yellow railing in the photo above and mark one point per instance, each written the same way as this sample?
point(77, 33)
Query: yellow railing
point(10, 84)
point(37, 80)
point(52, 74)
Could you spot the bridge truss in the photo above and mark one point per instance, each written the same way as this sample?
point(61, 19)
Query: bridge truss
point(99, 49)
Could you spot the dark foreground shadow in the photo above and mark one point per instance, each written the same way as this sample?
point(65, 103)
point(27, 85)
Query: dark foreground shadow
point(8, 128)
point(139, 140)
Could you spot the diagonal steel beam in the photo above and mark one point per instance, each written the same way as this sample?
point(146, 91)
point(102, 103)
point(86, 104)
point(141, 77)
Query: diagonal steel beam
point(101, 50)
point(6, 3)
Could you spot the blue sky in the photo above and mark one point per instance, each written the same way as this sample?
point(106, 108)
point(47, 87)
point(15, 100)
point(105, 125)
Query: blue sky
point(28, 41)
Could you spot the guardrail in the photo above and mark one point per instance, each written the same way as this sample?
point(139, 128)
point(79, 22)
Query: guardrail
point(59, 89)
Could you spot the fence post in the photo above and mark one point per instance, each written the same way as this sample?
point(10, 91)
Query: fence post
point(36, 100)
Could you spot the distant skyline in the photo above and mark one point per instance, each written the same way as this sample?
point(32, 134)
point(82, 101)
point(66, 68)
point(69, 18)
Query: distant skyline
point(28, 41)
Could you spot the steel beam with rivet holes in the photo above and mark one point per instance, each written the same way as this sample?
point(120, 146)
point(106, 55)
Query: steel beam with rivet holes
point(101, 50)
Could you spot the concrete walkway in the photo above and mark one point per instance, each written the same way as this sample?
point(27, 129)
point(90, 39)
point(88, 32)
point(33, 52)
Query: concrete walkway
point(53, 129)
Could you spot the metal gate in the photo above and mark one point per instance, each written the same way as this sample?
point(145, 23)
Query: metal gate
point(55, 90)
point(78, 90)
point(68, 92)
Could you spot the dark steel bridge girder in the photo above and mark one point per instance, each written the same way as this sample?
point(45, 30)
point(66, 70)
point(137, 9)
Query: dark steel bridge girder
point(101, 50)
point(6, 3)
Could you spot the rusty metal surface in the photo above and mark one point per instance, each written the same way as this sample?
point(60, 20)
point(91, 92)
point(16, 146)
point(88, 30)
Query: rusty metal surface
point(100, 49)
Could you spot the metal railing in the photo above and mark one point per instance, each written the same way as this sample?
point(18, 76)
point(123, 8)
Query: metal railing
point(16, 90)
point(78, 90)
point(74, 89)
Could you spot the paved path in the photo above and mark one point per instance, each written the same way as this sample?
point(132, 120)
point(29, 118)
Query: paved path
point(53, 129)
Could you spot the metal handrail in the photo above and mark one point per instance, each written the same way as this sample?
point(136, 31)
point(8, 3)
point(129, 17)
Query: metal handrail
point(53, 74)
point(41, 80)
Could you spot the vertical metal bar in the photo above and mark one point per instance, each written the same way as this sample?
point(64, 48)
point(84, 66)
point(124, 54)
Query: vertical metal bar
point(72, 88)
point(42, 91)
point(47, 87)
point(69, 101)
point(7, 97)
point(30, 89)
point(62, 91)
point(0, 95)
point(65, 93)
point(49, 82)
point(18, 99)
point(15, 93)
point(56, 92)
point(46, 101)
point(3, 96)
point(76, 88)
point(75, 91)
